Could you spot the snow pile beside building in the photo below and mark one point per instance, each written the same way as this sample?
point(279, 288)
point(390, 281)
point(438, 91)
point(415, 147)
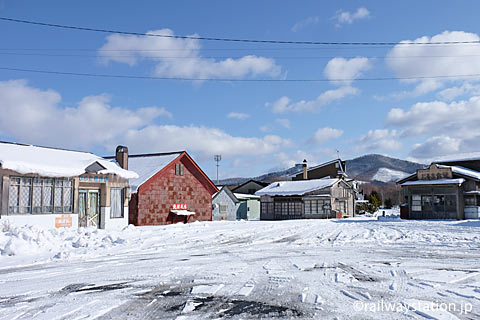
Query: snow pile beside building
point(27, 240)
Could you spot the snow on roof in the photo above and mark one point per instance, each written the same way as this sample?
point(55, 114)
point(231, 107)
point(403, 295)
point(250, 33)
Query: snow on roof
point(287, 188)
point(51, 162)
point(462, 171)
point(242, 196)
point(459, 157)
point(428, 182)
point(183, 212)
point(147, 166)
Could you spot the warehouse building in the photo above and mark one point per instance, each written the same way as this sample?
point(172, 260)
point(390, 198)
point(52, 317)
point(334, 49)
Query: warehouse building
point(171, 188)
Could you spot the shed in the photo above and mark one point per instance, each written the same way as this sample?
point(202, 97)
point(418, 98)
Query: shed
point(248, 207)
point(224, 205)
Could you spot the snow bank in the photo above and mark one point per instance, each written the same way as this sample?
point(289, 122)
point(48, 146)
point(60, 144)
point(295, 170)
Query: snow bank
point(30, 241)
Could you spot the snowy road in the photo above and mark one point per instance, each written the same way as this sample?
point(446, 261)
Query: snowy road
point(303, 269)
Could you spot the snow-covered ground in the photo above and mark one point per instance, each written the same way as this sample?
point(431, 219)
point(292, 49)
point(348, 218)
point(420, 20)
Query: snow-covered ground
point(359, 268)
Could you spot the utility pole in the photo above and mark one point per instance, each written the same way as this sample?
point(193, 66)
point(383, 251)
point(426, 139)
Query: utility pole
point(217, 159)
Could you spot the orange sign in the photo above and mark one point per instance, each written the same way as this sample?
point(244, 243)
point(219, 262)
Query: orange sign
point(179, 206)
point(64, 221)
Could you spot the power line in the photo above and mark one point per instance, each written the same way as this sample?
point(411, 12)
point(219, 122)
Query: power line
point(44, 24)
point(231, 57)
point(98, 75)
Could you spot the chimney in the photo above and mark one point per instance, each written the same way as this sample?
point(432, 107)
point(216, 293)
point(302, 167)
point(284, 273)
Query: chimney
point(304, 166)
point(121, 155)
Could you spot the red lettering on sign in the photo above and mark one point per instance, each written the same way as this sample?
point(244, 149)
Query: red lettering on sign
point(179, 206)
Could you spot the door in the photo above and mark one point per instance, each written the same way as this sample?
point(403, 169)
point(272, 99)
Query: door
point(88, 206)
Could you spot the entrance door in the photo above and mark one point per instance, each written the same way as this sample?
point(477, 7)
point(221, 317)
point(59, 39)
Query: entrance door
point(88, 206)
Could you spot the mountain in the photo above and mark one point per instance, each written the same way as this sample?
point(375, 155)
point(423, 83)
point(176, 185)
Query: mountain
point(378, 168)
point(373, 168)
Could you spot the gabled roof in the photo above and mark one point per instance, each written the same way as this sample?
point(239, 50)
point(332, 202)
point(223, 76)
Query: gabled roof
point(53, 162)
point(341, 168)
point(228, 192)
point(260, 183)
point(148, 165)
point(290, 188)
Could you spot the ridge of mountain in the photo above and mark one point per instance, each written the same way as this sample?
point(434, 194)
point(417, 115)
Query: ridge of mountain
point(362, 168)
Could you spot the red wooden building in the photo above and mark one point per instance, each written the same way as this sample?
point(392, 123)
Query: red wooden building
point(171, 188)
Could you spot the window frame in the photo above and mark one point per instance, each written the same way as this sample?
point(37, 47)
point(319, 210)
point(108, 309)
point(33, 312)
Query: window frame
point(122, 203)
point(29, 184)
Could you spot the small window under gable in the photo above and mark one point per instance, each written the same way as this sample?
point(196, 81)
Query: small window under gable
point(179, 169)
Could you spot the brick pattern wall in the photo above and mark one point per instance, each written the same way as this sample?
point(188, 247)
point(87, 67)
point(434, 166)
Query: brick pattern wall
point(157, 195)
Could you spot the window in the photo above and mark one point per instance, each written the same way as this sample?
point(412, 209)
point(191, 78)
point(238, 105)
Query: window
point(308, 207)
point(179, 169)
point(40, 195)
point(416, 203)
point(470, 201)
point(116, 203)
point(223, 208)
point(427, 203)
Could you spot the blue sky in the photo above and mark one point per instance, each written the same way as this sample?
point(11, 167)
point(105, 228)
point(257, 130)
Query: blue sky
point(256, 126)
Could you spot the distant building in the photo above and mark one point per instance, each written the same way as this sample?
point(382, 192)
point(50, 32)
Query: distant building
point(62, 188)
point(307, 199)
point(250, 187)
point(170, 188)
point(444, 190)
point(331, 169)
point(224, 205)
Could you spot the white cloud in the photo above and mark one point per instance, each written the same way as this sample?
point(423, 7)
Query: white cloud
point(201, 140)
point(290, 160)
point(305, 23)
point(284, 104)
point(409, 61)
point(347, 17)
point(238, 115)
point(324, 134)
point(34, 116)
point(379, 139)
point(346, 70)
point(451, 93)
point(283, 122)
point(438, 117)
point(181, 57)
point(449, 127)
point(436, 146)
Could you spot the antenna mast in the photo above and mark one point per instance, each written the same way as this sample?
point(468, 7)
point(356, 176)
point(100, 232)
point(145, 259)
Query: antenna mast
point(217, 159)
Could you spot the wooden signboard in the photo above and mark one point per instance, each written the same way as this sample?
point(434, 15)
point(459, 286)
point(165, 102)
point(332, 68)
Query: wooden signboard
point(63, 221)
